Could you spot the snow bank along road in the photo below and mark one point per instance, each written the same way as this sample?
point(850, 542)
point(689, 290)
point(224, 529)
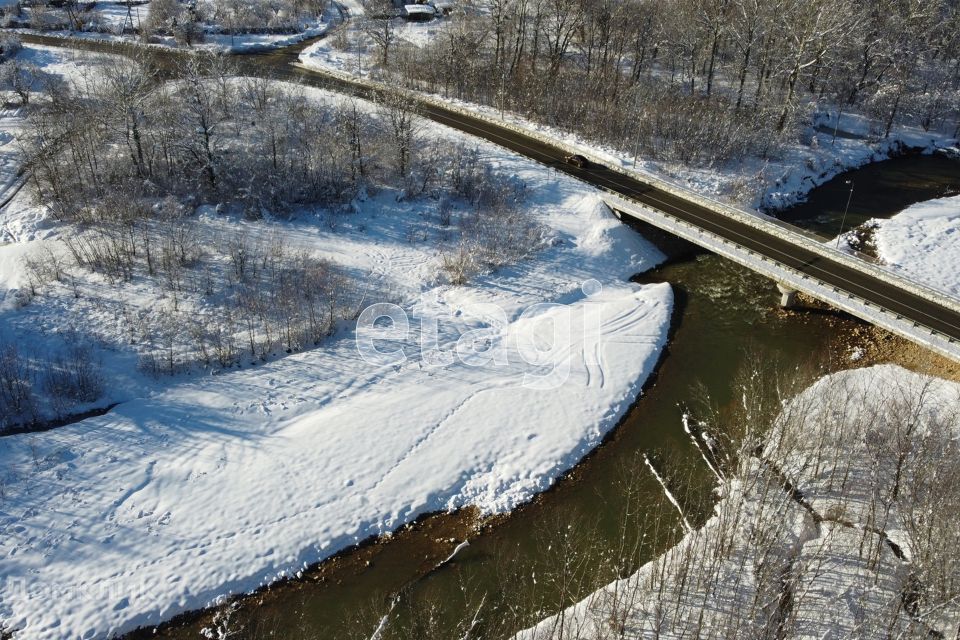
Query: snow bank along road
point(906, 304)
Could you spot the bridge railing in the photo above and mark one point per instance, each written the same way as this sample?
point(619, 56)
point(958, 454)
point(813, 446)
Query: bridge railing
point(777, 271)
point(803, 237)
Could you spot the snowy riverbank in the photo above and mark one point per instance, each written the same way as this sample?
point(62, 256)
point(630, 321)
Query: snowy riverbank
point(923, 242)
point(194, 488)
point(837, 554)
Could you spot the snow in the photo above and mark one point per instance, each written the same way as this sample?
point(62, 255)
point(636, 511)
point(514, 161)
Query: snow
point(714, 592)
point(341, 53)
point(229, 483)
point(353, 8)
point(923, 242)
point(111, 21)
point(769, 184)
point(859, 142)
point(10, 123)
point(250, 42)
point(423, 9)
point(863, 414)
point(116, 16)
point(838, 589)
point(197, 487)
point(217, 42)
point(12, 275)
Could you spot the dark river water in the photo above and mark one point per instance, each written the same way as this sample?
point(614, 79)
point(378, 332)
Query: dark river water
point(880, 190)
point(608, 515)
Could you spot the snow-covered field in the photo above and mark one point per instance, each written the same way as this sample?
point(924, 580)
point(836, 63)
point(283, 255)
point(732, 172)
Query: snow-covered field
point(216, 42)
point(923, 241)
point(110, 21)
point(764, 562)
point(115, 19)
point(118, 17)
point(197, 487)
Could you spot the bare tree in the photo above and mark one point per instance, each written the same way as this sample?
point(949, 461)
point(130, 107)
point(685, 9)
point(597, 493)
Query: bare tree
point(378, 26)
point(398, 114)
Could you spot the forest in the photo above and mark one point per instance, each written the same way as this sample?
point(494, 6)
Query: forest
point(692, 82)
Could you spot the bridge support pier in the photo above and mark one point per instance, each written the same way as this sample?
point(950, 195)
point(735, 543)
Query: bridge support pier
point(788, 296)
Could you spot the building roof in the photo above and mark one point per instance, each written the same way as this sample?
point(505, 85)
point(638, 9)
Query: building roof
point(421, 9)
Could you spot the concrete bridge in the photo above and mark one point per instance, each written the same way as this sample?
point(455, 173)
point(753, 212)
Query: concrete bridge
point(795, 262)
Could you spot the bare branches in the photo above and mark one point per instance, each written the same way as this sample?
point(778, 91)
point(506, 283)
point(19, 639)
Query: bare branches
point(810, 537)
point(696, 82)
point(40, 386)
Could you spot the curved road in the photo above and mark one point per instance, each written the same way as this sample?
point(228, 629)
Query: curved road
point(279, 65)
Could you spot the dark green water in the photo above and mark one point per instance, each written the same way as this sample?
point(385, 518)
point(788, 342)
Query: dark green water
point(880, 190)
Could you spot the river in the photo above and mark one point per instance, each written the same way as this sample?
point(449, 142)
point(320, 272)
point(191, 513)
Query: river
point(608, 514)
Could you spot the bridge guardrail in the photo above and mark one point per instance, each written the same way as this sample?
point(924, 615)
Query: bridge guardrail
point(789, 232)
point(779, 272)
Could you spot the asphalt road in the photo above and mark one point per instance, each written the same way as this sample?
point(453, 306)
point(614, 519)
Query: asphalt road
point(863, 285)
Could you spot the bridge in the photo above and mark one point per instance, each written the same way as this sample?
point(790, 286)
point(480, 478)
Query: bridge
point(794, 260)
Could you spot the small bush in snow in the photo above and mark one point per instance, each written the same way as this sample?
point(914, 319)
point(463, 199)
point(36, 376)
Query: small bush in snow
point(10, 45)
point(17, 402)
point(459, 265)
point(73, 377)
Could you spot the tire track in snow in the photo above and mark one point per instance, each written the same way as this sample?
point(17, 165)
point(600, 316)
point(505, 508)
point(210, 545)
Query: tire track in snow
point(421, 442)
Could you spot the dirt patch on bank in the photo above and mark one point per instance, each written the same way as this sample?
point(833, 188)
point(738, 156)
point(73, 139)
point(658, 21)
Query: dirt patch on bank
point(876, 346)
point(862, 345)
